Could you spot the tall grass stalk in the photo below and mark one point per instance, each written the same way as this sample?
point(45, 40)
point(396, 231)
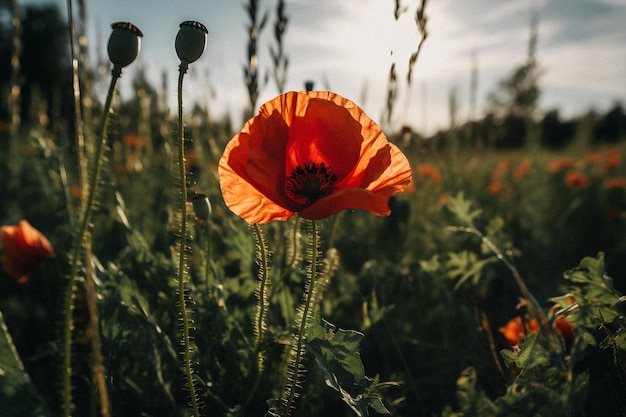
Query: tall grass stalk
point(14, 83)
point(280, 61)
point(97, 360)
point(251, 70)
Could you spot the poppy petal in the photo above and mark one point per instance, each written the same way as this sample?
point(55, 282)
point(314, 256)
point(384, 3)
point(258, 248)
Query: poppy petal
point(251, 157)
point(326, 133)
point(23, 249)
point(352, 198)
point(396, 171)
point(248, 202)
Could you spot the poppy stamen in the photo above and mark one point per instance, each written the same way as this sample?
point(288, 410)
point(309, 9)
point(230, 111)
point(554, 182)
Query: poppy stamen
point(310, 182)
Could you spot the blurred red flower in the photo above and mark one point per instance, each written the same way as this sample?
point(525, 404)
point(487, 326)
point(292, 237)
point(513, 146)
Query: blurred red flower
point(593, 157)
point(615, 183)
point(501, 169)
point(613, 159)
point(523, 168)
point(565, 329)
point(576, 179)
point(558, 164)
point(135, 141)
point(504, 188)
point(23, 249)
point(430, 171)
point(311, 153)
point(516, 329)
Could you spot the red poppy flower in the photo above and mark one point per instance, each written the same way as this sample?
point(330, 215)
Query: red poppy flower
point(523, 168)
point(613, 159)
point(576, 179)
point(615, 183)
point(311, 153)
point(558, 164)
point(23, 249)
point(516, 329)
point(593, 157)
point(500, 170)
point(430, 171)
point(565, 329)
point(504, 188)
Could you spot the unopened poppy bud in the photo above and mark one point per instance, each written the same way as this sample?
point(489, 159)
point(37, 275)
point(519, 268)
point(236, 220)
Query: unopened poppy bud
point(201, 206)
point(190, 41)
point(124, 44)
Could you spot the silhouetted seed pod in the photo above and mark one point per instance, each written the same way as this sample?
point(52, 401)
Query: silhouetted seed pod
point(191, 41)
point(201, 206)
point(124, 43)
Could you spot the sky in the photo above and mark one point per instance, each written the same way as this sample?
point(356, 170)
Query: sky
point(348, 46)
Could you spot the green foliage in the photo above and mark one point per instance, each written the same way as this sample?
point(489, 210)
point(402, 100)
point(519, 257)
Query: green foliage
point(472, 400)
point(425, 297)
point(18, 395)
point(530, 356)
point(336, 353)
point(596, 298)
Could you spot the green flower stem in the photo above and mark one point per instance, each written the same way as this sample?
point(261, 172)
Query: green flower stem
point(260, 325)
point(293, 257)
point(208, 256)
point(79, 243)
point(182, 264)
point(264, 283)
point(308, 306)
point(514, 272)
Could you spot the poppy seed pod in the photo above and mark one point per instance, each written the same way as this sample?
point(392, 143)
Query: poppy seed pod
point(124, 44)
point(201, 206)
point(190, 41)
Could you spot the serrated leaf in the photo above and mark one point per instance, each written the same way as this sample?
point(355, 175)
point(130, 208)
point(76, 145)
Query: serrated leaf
point(431, 265)
point(462, 208)
point(466, 265)
point(336, 353)
point(528, 356)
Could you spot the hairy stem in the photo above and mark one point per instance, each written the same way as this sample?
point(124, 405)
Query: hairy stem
point(260, 325)
point(306, 312)
point(79, 243)
point(262, 294)
point(182, 260)
point(292, 254)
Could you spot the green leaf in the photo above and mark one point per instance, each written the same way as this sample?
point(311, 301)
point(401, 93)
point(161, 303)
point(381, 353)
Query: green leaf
point(529, 355)
point(336, 353)
point(466, 266)
point(18, 395)
point(472, 400)
point(462, 208)
point(431, 265)
point(595, 296)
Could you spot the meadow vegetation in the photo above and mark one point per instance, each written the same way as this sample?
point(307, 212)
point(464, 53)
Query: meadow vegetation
point(495, 287)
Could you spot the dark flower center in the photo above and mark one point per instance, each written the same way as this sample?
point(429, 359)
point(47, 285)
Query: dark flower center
point(310, 182)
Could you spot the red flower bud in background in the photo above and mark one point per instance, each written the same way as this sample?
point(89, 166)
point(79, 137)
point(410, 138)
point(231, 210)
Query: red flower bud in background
point(23, 249)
